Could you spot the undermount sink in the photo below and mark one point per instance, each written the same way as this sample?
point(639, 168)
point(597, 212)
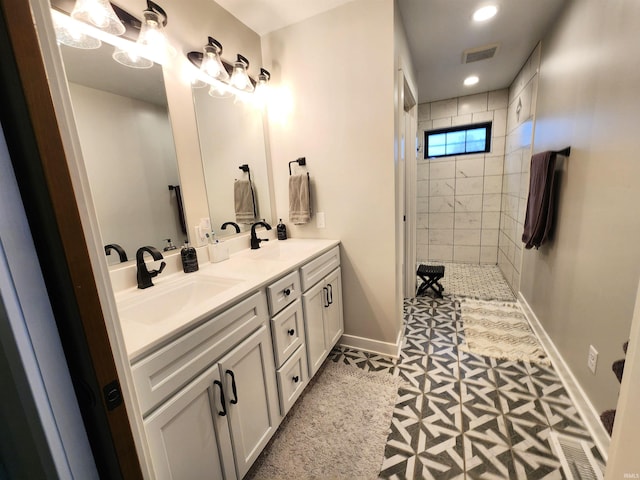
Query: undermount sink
point(161, 302)
point(280, 251)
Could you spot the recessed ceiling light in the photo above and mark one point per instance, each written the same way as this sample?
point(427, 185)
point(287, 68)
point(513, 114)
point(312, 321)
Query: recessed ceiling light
point(485, 13)
point(472, 80)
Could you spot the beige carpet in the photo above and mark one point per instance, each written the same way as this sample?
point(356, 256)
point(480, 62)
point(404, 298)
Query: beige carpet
point(500, 330)
point(337, 429)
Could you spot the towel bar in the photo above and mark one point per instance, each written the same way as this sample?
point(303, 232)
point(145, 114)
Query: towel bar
point(302, 161)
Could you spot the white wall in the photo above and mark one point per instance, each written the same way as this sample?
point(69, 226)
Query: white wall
point(459, 197)
point(130, 158)
point(582, 284)
point(335, 72)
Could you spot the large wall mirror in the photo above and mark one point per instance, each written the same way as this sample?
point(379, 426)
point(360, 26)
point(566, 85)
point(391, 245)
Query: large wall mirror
point(127, 144)
point(231, 135)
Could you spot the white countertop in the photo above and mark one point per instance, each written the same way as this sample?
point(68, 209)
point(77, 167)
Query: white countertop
point(242, 274)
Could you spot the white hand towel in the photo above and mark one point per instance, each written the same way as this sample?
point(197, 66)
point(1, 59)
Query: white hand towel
point(244, 201)
point(299, 200)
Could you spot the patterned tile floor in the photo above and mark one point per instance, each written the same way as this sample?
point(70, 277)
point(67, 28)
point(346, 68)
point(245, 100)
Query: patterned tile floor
point(464, 416)
point(479, 281)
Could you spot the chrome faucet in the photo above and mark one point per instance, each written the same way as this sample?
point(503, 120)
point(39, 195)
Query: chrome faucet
point(255, 241)
point(121, 253)
point(144, 275)
point(233, 224)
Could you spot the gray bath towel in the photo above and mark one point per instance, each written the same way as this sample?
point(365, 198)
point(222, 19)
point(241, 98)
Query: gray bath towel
point(244, 200)
point(540, 204)
point(299, 199)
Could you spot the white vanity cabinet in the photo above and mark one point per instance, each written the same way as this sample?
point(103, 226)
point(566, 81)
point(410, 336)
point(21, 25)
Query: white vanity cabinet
point(287, 329)
point(322, 307)
point(189, 435)
point(216, 425)
point(215, 392)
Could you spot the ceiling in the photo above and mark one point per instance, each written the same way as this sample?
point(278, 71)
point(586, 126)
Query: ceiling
point(96, 69)
point(438, 32)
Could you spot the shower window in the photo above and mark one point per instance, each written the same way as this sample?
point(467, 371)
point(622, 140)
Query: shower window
point(462, 140)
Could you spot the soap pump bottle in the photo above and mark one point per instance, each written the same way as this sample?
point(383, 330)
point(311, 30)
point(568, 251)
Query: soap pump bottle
point(189, 258)
point(281, 230)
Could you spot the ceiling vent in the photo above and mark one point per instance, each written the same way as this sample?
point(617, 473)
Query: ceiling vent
point(480, 53)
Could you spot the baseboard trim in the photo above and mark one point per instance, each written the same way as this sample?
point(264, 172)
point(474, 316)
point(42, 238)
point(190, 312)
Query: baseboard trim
point(371, 346)
point(584, 406)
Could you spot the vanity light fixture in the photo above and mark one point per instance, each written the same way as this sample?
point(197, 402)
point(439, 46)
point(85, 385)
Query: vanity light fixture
point(151, 43)
point(211, 62)
point(239, 78)
point(262, 85)
point(472, 80)
point(69, 32)
point(100, 14)
point(485, 13)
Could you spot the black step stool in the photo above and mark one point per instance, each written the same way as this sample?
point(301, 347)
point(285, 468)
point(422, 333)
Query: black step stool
point(430, 276)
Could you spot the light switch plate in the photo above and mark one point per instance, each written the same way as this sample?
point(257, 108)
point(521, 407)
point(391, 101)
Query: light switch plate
point(320, 220)
point(592, 359)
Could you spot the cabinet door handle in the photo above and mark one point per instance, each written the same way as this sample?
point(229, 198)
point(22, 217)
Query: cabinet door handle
point(291, 332)
point(326, 297)
point(223, 413)
point(296, 379)
point(286, 292)
point(233, 387)
point(330, 293)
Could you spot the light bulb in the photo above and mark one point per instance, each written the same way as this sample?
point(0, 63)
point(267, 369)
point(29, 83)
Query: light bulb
point(239, 78)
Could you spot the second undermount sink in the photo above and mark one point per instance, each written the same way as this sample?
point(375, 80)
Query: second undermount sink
point(283, 250)
point(161, 302)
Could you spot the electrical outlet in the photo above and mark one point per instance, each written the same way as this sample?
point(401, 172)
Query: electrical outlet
point(592, 359)
point(320, 220)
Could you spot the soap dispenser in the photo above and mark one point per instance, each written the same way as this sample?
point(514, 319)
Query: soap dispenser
point(281, 230)
point(189, 258)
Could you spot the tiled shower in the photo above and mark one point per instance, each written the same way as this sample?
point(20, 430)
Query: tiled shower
point(459, 198)
point(471, 208)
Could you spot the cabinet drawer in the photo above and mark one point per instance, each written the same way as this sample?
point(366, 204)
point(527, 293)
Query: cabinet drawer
point(293, 376)
point(162, 373)
point(317, 269)
point(284, 291)
point(287, 329)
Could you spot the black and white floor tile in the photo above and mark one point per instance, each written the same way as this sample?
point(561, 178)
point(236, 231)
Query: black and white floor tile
point(465, 416)
point(478, 281)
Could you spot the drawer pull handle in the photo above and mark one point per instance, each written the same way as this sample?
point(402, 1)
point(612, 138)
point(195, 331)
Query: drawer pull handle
point(223, 413)
point(286, 292)
point(291, 332)
point(326, 297)
point(233, 387)
point(330, 293)
point(296, 379)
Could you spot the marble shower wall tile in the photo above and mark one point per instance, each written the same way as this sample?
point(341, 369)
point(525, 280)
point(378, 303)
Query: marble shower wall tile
point(460, 197)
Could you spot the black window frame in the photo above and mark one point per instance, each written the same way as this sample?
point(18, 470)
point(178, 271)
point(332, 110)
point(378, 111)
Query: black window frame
point(458, 128)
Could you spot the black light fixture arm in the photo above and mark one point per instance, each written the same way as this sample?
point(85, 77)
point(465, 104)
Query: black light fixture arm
point(215, 43)
point(154, 7)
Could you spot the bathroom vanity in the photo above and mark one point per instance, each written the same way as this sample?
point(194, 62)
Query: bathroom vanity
point(220, 356)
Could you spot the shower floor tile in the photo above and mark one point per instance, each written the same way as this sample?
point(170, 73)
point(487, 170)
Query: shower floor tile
point(466, 416)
